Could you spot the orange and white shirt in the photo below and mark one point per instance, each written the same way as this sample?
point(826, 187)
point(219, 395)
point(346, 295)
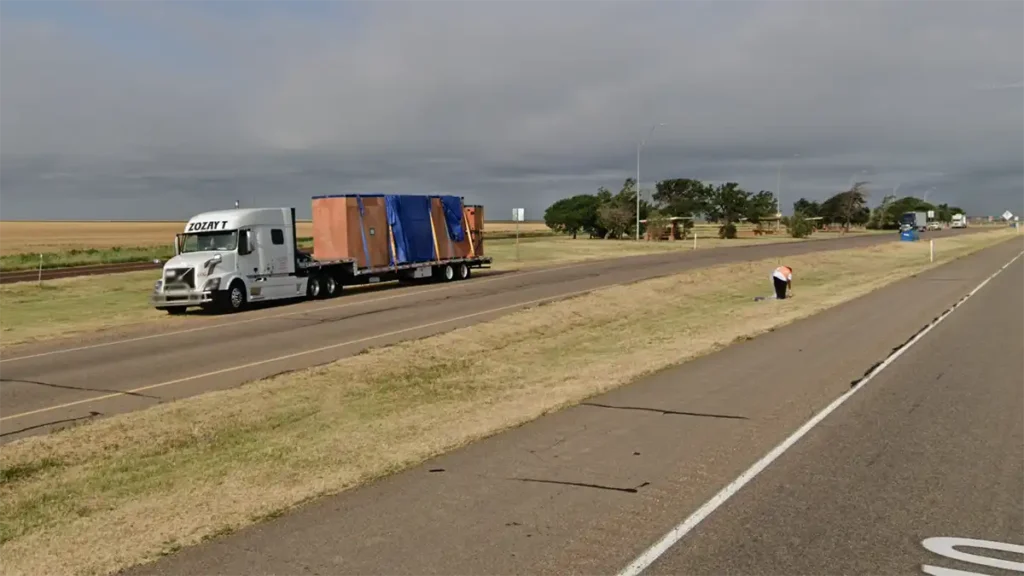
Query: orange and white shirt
point(783, 273)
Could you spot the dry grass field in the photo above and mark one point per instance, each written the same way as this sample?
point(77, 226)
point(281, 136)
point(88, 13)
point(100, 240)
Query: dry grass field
point(126, 489)
point(48, 237)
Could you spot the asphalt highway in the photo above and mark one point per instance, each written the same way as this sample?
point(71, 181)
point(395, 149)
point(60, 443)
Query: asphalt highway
point(930, 447)
point(65, 382)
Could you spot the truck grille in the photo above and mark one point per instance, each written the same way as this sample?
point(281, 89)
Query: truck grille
point(178, 278)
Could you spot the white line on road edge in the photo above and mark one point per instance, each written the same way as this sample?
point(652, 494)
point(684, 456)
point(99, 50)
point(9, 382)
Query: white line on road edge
point(307, 352)
point(649, 556)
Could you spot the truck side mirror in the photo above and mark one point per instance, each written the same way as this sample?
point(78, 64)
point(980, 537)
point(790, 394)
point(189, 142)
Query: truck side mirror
point(243, 243)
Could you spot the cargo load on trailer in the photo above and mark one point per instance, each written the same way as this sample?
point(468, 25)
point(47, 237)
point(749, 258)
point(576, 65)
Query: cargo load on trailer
point(230, 258)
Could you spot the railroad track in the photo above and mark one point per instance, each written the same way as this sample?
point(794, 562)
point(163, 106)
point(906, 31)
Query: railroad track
point(72, 271)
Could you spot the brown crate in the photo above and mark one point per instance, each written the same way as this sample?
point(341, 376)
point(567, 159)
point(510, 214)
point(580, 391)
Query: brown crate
point(446, 247)
point(474, 221)
point(338, 230)
point(330, 228)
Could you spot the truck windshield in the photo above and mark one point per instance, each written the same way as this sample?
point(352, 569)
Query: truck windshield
point(210, 241)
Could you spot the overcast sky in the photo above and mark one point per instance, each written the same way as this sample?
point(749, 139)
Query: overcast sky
point(141, 109)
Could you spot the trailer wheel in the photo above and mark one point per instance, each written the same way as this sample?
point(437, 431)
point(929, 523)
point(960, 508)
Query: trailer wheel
point(463, 271)
point(331, 288)
point(314, 287)
point(449, 272)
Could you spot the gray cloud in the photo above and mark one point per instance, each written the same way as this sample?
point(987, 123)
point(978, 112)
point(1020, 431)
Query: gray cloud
point(509, 103)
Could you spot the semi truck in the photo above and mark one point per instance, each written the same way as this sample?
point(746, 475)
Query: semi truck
point(226, 260)
point(914, 221)
point(959, 221)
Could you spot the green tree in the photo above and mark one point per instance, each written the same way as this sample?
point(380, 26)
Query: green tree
point(800, 226)
point(617, 214)
point(682, 197)
point(572, 215)
point(808, 208)
point(760, 206)
point(881, 218)
point(849, 207)
point(726, 204)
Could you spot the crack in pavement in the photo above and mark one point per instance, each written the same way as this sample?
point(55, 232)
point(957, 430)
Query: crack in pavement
point(65, 387)
point(92, 414)
point(584, 485)
point(665, 412)
point(896, 349)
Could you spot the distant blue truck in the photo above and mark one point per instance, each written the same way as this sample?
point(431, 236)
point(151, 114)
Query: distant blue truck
point(914, 221)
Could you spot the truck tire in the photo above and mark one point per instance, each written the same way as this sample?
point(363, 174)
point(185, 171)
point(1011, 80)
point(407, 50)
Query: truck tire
point(447, 273)
point(330, 286)
point(314, 287)
point(234, 299)
point(463, 271)
point(176, 310)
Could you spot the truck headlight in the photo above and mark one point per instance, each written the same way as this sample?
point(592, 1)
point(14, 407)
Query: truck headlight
point(211, 284)
point(159, 284)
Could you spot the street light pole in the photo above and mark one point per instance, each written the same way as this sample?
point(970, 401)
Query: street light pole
point(778, 187)
point(637, 183)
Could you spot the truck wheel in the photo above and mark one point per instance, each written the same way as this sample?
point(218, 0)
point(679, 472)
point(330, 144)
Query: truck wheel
point(175, 310)
point(330, 286)
point(235, 298)
point(463, 271)
point(314, 287)
point(449, 272)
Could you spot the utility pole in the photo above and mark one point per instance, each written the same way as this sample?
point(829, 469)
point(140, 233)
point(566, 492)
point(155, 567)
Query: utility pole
point(637, 183)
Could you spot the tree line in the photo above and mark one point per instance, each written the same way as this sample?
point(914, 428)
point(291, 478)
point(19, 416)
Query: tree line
point(613, 215)
point(851, 208)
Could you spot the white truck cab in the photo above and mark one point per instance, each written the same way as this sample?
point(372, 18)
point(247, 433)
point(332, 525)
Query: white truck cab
point(959, 221)
point(228, 258)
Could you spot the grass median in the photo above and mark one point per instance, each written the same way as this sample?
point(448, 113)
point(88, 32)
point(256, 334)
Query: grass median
point(124, 490)
point(74, 306)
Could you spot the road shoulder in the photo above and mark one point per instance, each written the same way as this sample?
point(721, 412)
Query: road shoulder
point(585, 489)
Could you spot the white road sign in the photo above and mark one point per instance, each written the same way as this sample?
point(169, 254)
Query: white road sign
point(519, 214)
point(931, 213)
point(1007, 215)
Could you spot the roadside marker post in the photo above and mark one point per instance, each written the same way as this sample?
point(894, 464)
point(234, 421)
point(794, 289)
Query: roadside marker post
point(695, 240)
point(519, 215)
point(40, 270)
point(931, 250)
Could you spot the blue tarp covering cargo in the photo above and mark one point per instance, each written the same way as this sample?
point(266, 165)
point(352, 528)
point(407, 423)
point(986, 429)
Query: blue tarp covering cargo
point(452, 206)
point(409, 217)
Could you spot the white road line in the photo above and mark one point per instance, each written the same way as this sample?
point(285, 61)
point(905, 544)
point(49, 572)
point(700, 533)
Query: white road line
point(649, 556)
point(204, 328)
point(305, 352)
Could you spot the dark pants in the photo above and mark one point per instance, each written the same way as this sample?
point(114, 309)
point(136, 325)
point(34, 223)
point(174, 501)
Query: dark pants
point(780, 288)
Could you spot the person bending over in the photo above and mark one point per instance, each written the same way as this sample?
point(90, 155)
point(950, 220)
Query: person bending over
point(783, 280)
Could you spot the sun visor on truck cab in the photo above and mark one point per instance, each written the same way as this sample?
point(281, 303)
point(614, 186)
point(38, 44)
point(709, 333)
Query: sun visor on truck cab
point(409, 217)
point(452, 206)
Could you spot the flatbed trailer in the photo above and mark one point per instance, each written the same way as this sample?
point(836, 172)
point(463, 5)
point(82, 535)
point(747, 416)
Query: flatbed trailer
point(227, 259)
point(346, 272)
